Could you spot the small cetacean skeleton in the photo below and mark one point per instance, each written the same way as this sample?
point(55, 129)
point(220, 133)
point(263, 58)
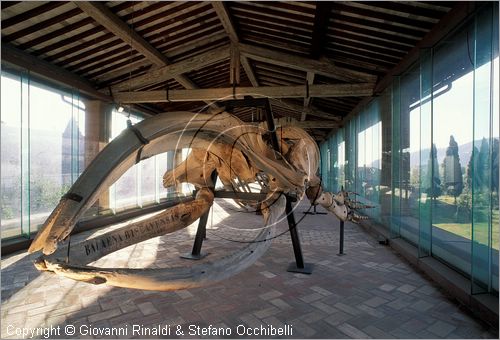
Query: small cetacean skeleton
point(238, 151)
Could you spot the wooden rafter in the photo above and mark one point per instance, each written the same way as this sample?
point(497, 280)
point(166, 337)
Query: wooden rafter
point(454, 17)
point(103, 15)
point(323, 67)
point(224, 17)
point(321, 18)
point(307, 100)
point(31, 13)
point(316, 124)
point(48, 71)
point(337, 90)
point(56, 75)
point(311, 111)
point(173, 70)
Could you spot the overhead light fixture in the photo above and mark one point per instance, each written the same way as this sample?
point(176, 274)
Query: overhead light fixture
point(120, 109)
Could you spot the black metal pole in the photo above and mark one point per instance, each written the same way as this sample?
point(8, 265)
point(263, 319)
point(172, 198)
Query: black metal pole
point(341, 241)
point(297, 250)
point(200, 235)
point(201, 232)
point(271, 127)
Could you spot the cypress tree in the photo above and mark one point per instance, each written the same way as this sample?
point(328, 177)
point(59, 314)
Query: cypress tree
point(453, 182)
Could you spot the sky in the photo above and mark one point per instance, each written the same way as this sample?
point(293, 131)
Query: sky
point(48, 111)
point(453, 112)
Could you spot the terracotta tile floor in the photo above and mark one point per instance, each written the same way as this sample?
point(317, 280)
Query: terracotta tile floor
point(370, 292)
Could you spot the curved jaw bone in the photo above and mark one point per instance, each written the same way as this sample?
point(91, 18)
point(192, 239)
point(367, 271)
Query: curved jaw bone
point(166, 279)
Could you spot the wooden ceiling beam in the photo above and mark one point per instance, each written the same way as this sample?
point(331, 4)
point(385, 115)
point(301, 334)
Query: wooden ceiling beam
point(383, 17)
point(53, 74)
point(367, 32)
point(245, 63)
point(173, 70)
point(452, 19)
point(311, 111)
point(6, 23)
point(311, 124)
point(271, 14)
point(323, 67)
point(257, 18)
point(103, 15)
point(307, 100)
point(7, 4)
point(41, 25)
point(225, 18)
point(50, 72)
point(315, 124)
point(337, 90)
point(321, 18)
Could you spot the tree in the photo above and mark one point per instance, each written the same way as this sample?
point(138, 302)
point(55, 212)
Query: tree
point(453, 182)
point(494, 167)
point(472, 177)
point(433, 187)
point(483, 166)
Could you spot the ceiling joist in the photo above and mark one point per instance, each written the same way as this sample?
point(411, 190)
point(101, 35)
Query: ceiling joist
point(313, 124)
point(321, 18)
point(167, 72)
point(224, 17)
point(323, 67)
point(311, 111)
point(103, 15)
point(50, 72)
point(307, 101)
point(337, 90)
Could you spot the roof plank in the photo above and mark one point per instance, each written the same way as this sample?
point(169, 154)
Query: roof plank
point(323, 67)
point(103, 15)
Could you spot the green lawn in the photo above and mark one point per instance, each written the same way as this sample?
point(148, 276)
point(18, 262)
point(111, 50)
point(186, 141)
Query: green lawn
point(480, 233)
point(445, 217)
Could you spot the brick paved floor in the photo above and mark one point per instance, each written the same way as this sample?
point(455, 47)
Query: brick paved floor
point(370, 292)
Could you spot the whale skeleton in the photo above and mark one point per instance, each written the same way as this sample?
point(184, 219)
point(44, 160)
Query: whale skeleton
point(238, 151)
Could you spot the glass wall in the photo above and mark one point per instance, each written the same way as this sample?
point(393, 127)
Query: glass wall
point(333, 162)
point(43, 150)
point(425, 152)
point(42, 146)
point(369, 157)
point(141, 184)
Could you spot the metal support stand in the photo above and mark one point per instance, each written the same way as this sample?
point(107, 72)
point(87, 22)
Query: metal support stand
point(299, 266)
point(341, 245)
point(201, 232)
point(314, 212)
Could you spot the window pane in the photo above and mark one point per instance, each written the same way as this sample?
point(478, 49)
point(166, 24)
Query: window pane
point(164, 163)
point(11, 156)
point(409, 139)
point(55, 135)
point(148, 179)
point(124, 193)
